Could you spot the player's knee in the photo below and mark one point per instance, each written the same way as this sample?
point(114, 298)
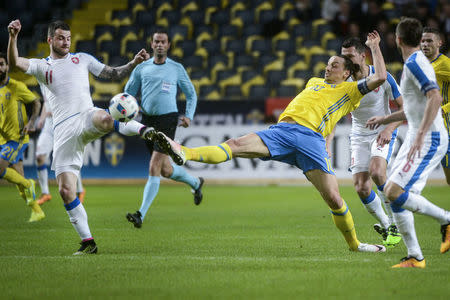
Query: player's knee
point(391, 192)
point(363, 188)
point(105, 122)
point(377, 176)
point(40, 160)
point(156, 169)
point(166, 171)
point(65, 192)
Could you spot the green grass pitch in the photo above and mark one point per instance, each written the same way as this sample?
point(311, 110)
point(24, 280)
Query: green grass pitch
point(244, 242)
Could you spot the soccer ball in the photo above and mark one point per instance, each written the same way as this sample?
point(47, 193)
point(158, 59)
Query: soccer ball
point(123, 107)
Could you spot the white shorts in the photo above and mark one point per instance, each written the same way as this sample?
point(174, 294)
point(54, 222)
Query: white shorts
point(412, 175)
point(45, 140)
point(71, 136)
point(363, 148)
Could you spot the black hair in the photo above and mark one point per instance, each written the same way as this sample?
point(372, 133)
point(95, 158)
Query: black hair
point(410, 31)
point(161, 30)
point(57, 25)
point(354, 42)
point(349, 65)
point(431, 30)
point(4, 56)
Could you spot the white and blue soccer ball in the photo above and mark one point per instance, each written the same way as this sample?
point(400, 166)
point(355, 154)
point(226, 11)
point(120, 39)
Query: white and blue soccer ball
point(123, 107)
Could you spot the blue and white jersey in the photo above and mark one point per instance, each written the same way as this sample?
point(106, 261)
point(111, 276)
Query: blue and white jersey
point(375, 103)
point(417, 79)
point(158, 84)
point(67, 79)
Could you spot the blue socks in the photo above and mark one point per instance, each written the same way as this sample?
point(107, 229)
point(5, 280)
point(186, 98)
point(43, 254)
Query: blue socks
point(150, 192)
point(180, 174)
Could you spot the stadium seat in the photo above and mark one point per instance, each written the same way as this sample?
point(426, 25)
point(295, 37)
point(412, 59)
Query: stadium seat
point(87, 46)
point(121, 17)
point(110, 48)
point(212, 46)
point(188, 47)
point(246, 16)
point(252, 30)
point(116, 61)
point(274, 77)
point(197, 17)
point(266, 16)
point(228, 30)
point(215, 59)
point(186, 6)
point(195, 62)
point(224, 74)
point(145, 18)
point(334, 45)
point(316, 58)
point(246, 86)
point(302, 31)
point(102, 29)
point(182, 30)
point(285, 46)
point(303, 74)
point(133, 47)
point(299, 65)
point(243, 61)
point(248, 75)
point(221, 18)
point(261, 46)
point(198, 74)
point(236, 46)
point(319, 69)
point(287, 91)
point(233, 80)
point(292, 60)
point(161, 8)
point(259, 92)
point(299, 83)
point(41, 10)
point(233, 91)
point(172, 16)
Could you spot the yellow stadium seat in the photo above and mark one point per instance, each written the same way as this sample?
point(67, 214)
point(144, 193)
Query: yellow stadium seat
point(300, 65)
point(246, 86)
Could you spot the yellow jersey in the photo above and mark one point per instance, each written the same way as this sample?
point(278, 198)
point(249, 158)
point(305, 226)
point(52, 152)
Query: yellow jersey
point(13, 115)
point(321, 105)
point(441, 66)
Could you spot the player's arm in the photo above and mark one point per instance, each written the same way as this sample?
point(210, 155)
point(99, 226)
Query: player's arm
point(328, 140)
point(188, 89)
point(118, 73)
point(13, 54)
point(384, 137)
point(375, 122)
point(434, 101)
point(34, 115)
point(380, 75)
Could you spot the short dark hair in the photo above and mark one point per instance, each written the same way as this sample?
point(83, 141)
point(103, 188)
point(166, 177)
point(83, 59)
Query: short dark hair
point(57, 25)
point(349, 65)
point(354, 42)
point(161, 30)
point(4, 56)
point(410, 31)
point(432, 30)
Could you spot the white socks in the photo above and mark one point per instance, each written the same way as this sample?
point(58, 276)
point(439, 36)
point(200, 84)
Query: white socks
point(130, 128)
point(42, 174)
point(405, 224)
point(78, 218)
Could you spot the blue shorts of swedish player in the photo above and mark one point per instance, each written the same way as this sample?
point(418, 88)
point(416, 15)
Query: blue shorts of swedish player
point(446, 160)
point(296, 145)
point(10, 151)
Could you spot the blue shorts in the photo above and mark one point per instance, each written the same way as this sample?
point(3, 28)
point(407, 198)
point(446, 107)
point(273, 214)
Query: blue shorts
point(296, 145)
point(9, 151)
point(446, 160)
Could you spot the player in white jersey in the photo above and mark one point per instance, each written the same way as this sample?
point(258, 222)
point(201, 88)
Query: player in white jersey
point(44, 148)
point(424, 147)
point(76, 121)
point(371, 149)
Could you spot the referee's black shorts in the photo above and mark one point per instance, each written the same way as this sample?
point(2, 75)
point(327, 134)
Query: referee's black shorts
point(166, 123)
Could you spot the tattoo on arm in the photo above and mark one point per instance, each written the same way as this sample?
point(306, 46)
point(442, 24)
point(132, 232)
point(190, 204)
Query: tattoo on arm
point(116, 73)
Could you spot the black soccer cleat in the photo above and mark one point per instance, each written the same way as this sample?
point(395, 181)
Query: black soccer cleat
point(198, 195)
point(87, 247)
point(135, 219)
point(382, 231)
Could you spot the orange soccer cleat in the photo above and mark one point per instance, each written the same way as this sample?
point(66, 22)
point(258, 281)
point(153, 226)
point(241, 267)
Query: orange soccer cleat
point(445, 245)
point(44, 198)
point(410, 262)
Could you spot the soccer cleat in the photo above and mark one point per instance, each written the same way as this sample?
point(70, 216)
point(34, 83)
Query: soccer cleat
point(393, 236)
point(87, 247)
point(81, 195)
point(410, 262)
point(30, 193)
point(171, 148)
point(198, 195)
point(382, 231)
point(445, 245)
point(148, 133)
point(44, 198)
point(37, 213)
point(363, 247)
point(135, 219)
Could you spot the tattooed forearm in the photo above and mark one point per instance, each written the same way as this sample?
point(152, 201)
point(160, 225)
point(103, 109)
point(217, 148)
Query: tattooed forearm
point(116, 73)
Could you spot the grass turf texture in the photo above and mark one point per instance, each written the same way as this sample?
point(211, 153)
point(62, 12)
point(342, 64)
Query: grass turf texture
point(241, 242)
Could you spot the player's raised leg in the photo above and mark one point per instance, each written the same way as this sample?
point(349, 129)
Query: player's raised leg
point(77, 214)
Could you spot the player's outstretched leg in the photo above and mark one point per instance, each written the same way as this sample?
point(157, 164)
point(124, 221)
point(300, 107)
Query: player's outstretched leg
point(171, 148)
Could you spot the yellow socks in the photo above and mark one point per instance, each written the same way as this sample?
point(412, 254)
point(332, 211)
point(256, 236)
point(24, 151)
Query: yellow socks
point(344, 222)
point(209, 154)
point(14, 177)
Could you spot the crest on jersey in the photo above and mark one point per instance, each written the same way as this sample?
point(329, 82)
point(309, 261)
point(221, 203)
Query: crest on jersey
point(75, 60)
point(114, 149)
point(376, 90)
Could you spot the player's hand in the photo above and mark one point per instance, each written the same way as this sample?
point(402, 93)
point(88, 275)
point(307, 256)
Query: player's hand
point(184, 122)
point(375, 122)
point(384, 137)
point(29, 128)
point(141, 56)
point(373, 39)
point(415, 147)
point(40, 123)
point(14, 28)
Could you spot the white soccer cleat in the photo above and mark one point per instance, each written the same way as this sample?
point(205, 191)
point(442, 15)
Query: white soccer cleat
point(363, 247)
point(170, 147)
